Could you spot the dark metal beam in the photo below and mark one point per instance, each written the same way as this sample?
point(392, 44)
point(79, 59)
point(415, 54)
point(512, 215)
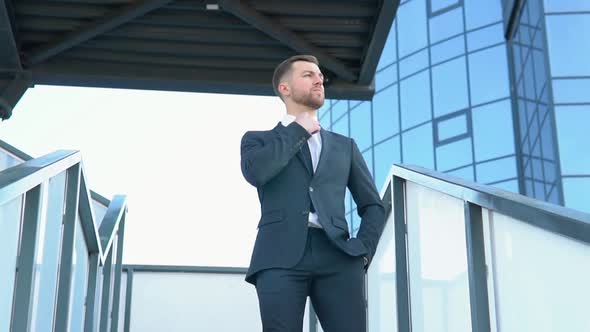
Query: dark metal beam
point(102, 25)
point(380, 33)
point(130, 76)
point(12, 92)
point(315, 8)
point(287, 37)
point(9, 54)
point(512, 12)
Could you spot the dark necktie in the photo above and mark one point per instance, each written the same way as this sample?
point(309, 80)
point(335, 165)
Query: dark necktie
point(307, 157)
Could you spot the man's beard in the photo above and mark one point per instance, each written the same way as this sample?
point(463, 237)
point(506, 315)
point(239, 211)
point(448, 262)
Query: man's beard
point(309, 100)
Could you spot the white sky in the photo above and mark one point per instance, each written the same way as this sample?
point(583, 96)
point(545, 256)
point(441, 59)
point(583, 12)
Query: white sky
point(175, 155)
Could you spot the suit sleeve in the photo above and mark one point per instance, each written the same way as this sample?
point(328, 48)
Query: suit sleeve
point(369, 205)
point(264, 155)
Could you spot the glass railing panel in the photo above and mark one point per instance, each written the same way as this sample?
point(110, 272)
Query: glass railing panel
point(381, 283)
point(80, 269)
point(169, 301)
point(99, 212)
point(122, 302)
point(7, 160)
point(49, 236)
point(10, 224)
point(541, 278)
point(437, 256)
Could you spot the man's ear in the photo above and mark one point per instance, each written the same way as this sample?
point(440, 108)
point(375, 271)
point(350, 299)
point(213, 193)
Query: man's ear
point(284, 89)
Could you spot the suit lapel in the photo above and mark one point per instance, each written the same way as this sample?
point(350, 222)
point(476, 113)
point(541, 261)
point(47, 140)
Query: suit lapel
point(326, 147)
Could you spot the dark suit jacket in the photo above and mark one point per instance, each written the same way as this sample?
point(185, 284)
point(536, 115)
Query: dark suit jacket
point(272, 161)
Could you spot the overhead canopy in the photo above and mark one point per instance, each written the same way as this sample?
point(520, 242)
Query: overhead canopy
point(225, 46)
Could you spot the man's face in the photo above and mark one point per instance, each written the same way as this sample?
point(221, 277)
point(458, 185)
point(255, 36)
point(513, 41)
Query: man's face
point(307, 84)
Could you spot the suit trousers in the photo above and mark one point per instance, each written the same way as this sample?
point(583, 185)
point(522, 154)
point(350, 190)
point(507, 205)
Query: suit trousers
point(332, 279)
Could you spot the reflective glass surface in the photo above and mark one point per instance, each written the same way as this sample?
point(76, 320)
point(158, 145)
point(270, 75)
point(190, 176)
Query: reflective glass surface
point(448, 49)
point(571, 91)
point(572, 129)
point(446, 25)
point(492, 130)
point(79, 279)
point(418, 146)
point(389, 53)
point(7, 160)
point(385, 114)
point(576, 192)
point(451, 127)
point(566, 5)
point(413, 63)
point(496, 170)
point(49, 235)
point(527, 261)
point(453, 155)
point(385, 77)
point(387, 153)
point(437, 5)
point(485, 37)
point(415, 101)
point(437, 261)
point(479, 13)
point(360, 125)
point(10, 224)
point(411, 24)
point(449, 87)
point(488, 75)
point(569, 53)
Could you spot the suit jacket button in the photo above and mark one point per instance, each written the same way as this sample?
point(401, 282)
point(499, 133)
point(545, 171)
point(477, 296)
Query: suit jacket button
point(310, 189)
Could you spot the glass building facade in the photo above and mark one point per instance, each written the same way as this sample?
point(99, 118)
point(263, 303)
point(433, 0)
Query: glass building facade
point(454, 95)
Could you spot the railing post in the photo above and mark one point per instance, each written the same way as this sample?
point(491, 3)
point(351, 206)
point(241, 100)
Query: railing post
point(129, 291)
point(476, 267)
point(91, 292)
point(401, 251)
point(69, 228)
point(118, 271)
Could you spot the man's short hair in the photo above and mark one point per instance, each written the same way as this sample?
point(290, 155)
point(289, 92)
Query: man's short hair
point(285, 67)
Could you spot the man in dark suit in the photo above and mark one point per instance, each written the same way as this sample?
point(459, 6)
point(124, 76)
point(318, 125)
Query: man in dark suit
point(303, 247)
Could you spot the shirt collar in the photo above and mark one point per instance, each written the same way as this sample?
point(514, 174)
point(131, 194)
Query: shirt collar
point(288, 119)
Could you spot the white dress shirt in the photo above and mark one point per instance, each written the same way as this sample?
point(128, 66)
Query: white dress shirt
point(315, 148)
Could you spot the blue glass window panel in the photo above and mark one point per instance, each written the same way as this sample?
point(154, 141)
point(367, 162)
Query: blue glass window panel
point(547, 133)
point(413, 63)
point(488, 74)
point(539, 190)
point(533, 8)
point(360, 125)
point(452, 127)
point(566, 6)
point(572, 130)
point(479, 13)
point(550, 171)
point(415, 100)
point(386, 77)
point(449, 87)
point(418, 146)
point(485, 37)
point(569, 53)
point(436, 5)
point(347, 201)
point(325, 120)
point(554, 196)
point(447, 49)
point(496, 170)
point(446, 25)
point(511, 185)
point(516, 54)
point(339, 108)
point(341, 126)
point(385, 114)
point(454, 155)
point(493, 132)
point(389, 53)
point(540, 73)
point(571, 91)
point(387, 153)
point(465, 173)
point(529, 80)
point(576, 192)
point(411, 24)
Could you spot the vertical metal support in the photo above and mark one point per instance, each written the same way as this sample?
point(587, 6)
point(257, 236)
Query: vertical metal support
point(476, 267)
point(129, 292)
point(118, 271)
point(89, 320)
point(401, 252)
point(25, 271)
point(69, 230)
point(106, 291)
